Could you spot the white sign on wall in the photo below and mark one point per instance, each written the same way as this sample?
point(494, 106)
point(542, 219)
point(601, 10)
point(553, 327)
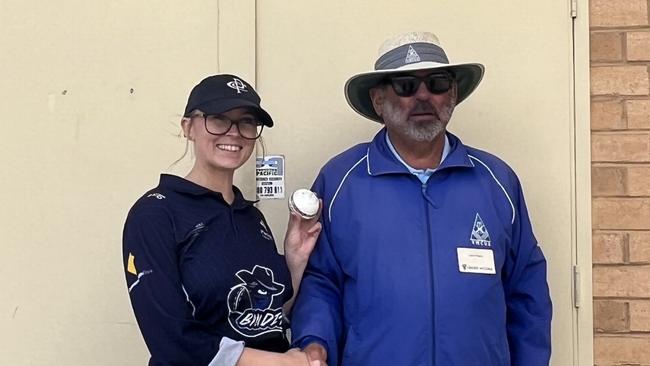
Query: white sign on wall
point(269, 177)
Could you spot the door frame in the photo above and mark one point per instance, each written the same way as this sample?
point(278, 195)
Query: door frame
point(582, 256)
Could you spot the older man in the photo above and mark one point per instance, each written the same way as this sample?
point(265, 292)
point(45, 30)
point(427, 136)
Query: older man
point(427, 255)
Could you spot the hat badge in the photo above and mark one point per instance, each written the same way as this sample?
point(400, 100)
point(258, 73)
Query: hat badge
point(412, 56)
point(237, 85)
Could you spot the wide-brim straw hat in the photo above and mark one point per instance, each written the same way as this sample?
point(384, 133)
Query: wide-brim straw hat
point(406, 54)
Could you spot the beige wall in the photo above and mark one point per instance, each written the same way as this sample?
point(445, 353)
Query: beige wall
point(620, 108)
point(91, 95)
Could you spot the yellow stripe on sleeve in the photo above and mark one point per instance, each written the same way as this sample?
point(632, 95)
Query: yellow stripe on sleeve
point(130, 267)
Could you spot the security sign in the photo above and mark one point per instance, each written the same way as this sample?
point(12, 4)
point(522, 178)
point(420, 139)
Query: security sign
point(269, 175)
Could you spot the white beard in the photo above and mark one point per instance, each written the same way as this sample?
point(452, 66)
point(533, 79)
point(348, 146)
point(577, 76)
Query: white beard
point(426, 132)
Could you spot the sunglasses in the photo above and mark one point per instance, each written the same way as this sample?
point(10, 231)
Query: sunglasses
point(408, 85)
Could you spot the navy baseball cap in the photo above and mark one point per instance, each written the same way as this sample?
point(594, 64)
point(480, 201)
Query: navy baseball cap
point(220, 93)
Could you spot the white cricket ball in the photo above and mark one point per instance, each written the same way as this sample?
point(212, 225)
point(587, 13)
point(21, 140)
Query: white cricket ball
point(304, 202)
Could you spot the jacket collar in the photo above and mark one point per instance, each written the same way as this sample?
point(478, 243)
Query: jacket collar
point(382, 161)
point(184, 186)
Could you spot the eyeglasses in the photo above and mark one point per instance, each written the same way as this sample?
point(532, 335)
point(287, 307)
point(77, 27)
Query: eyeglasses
point(249, 127)
point(408, 85)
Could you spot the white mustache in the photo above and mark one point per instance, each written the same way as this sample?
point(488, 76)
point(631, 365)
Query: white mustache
point(423, 107)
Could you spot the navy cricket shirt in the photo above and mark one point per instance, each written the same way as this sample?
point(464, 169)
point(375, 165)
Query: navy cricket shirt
point(199, 269)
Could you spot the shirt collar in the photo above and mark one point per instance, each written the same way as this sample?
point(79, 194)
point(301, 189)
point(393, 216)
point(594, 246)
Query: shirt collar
point(428, 171)
point(381, 160)
point(184, 186)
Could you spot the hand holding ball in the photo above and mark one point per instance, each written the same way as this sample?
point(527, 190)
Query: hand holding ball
point(305, 203)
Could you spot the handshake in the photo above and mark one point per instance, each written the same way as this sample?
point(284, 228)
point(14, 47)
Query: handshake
point(314, 352)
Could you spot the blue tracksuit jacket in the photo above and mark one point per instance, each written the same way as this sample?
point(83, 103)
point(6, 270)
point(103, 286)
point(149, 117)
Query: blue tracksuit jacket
point(391, 281)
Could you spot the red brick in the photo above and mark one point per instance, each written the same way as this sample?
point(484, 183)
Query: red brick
point(638, 46)
point(621, 213)
point(620, 147)
point(613, 13)
point(610, 316)
point(606, 47)
point(639, 246)
point(638, 113)
point(608, 181)
point(622, 350)
point(620, 80)
point(638, 180)
point(608, 248)
point(607, 115)
point(640, 316)
point(621, 281)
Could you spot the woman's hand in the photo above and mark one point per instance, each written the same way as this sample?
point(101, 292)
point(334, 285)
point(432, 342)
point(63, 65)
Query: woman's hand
point(300, 240)
point(293, 357)
point(298, 244)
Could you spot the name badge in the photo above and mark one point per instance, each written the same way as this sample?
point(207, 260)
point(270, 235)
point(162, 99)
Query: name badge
point(472, 260)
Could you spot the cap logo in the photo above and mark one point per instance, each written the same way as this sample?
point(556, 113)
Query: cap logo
point(237, 85)
point(411, 56)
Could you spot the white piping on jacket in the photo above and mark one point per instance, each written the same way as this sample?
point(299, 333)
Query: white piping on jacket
point(329, 211)
point(187, 297)
point(500, 185)
point(140, 275)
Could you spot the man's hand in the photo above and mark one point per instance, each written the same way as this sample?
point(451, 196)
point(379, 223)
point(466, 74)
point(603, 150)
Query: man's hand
point(295, 357)
point(316, 354)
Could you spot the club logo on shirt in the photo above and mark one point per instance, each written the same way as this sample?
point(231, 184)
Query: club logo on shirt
point(249, 303)
point(480, 235)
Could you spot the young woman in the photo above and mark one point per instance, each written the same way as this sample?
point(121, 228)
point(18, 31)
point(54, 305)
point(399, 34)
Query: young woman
point(206, 282)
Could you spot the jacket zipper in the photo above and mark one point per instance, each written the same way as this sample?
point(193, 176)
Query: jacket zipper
point(431, 292)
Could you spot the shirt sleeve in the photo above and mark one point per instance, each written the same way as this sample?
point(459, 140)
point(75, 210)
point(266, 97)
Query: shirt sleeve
point(229, 352)
point(529, 308)
point(164, 312)
point(317, 313)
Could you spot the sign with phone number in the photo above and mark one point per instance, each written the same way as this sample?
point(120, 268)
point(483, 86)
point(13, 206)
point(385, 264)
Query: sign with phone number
point(269, 177)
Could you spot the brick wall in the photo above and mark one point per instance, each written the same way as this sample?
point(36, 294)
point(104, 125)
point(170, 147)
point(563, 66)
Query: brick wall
point(620, 152)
